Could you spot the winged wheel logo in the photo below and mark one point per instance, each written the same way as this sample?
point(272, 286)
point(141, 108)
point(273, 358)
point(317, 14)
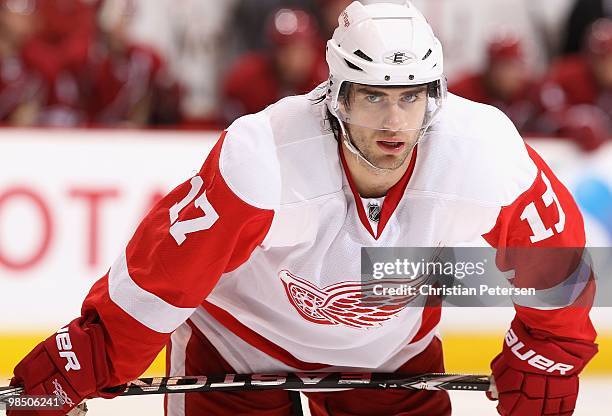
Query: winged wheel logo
point(351, 304)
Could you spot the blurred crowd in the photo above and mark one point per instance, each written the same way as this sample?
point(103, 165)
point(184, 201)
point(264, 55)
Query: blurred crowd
point(202, 63)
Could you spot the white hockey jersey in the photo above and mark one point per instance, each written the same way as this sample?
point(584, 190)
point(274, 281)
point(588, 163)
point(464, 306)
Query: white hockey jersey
point(261, 250)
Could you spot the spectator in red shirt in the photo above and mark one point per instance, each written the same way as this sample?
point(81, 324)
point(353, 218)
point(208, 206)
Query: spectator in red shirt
point(59, 52)
point(505, 82)
point(20, 88)
point(126, 78)
point(294, 65)
point(577, 95)
point(586, 78)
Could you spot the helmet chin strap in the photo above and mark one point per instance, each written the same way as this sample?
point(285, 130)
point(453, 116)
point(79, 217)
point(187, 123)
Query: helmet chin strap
point(346, 140)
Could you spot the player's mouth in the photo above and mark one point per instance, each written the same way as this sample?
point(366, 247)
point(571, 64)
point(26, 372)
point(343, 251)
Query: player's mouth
point(391, 145)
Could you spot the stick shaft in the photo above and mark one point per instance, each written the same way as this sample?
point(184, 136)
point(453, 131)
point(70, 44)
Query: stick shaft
point(293, 381)
point(304, 381)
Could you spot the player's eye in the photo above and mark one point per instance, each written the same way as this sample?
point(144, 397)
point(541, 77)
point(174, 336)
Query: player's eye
point(373, 98)
point(410, 98)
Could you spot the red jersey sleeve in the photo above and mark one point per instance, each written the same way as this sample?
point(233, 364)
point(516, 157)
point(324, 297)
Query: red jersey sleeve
point(540, 242)
point(199, 231)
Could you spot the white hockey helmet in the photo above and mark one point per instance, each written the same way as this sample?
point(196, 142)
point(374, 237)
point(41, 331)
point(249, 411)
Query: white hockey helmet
point(385, 44)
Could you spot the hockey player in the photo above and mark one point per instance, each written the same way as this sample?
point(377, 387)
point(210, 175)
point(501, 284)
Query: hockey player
point(250, 266)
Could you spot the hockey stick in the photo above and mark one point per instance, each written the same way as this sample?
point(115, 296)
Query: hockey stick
point(293, 381)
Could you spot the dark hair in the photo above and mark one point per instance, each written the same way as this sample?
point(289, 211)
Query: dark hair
point(344, 95)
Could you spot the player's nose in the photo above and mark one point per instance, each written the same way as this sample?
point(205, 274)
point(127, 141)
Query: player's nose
point(394, 118)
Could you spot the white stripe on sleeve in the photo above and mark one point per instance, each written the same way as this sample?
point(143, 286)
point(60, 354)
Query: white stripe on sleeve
point(563, 294)
point(148, 309)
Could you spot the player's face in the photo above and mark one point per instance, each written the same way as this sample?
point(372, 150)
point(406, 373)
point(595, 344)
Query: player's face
point(384, 122)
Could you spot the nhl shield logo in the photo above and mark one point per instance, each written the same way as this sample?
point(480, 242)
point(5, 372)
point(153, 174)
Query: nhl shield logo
point(398, 58)
point(373, 211)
